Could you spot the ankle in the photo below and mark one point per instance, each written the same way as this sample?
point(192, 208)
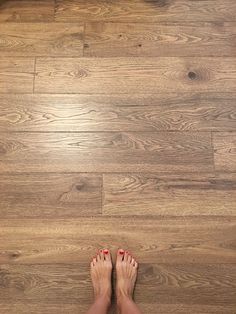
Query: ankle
point(123, 298)
point(103, 299)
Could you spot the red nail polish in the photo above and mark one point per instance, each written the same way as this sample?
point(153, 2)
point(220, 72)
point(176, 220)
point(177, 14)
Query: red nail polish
point(121, 252)
point(101, 251)
point(106, 251)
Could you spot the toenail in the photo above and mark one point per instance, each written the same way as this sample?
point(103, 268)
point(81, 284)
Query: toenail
point(121, 252)
point(106, 251)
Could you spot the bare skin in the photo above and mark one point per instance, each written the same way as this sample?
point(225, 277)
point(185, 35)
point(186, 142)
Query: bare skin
point(101, 269)
point(126, 270)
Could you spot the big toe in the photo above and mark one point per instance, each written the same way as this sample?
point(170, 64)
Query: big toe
point(107, 255)
point(120, 255)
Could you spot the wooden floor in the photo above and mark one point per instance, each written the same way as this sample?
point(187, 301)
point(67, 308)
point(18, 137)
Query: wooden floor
point(118, 129)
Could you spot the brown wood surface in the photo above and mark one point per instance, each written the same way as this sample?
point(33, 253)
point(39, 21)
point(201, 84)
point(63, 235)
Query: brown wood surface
point(173, 240)
point(172, 39)
point(129, 75)
point(106, 152)
point(75, 308)
point(27, 10)
point(16, 75)
point(183, 195)
point(225, 151)
point(156, 112)
point(146, 11)
point(67, 195)
point(185, 283)
point(118, 129)
point(41, 39)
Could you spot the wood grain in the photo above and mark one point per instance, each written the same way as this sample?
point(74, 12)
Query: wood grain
point(105, 152)
point(188, 284)
point(225, 151)
point(161, 112)
point(177, 240)
point(146, 11)
point(75, 308)
point(23, 307)
point(181, 308)
point(117, 129)
point(129, 75)
point(41, 39)
point(27, 11)
point(157, 112)
point(165, 40)
point(49, 195)
point(150, 194)
point(16, 75)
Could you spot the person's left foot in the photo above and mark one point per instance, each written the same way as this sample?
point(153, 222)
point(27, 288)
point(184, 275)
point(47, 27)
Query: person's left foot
point(101, 269)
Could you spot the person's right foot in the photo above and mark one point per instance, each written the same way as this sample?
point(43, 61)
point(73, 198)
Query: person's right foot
point(101, 268)
point(126, 272)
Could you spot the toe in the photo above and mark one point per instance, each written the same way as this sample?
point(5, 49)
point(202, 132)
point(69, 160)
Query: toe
point(98, 256)
point(101, 255)
point(107, 255)
point(126, 255)
point(135, 265)
point(94, 261)
point(120, 255)
point(129, 258)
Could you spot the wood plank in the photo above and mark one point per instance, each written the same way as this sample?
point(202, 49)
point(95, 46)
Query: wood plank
point(165, 40)
point(145, 11)
point(41, 39)
point(106, 152)
point(23, 307)
point(177, 240)
point(27, 11)
point(16, 75)
point(187, 284)
point(153, 194)
point(157, 112)
point(129, 75)
point(225, 151)
point(183, 308)
point(49, 195)
point(75, 308)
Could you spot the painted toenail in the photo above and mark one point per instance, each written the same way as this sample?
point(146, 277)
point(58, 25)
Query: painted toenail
point(106, 251)
point(121, 252)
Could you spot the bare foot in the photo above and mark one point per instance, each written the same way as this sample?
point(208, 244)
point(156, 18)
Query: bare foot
point(126, 270)
point(101, 268)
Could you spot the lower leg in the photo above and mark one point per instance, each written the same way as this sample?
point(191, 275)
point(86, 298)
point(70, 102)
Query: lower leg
point(101, 267)
point(127, 306)
point(100, 306)
point(126, 269)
